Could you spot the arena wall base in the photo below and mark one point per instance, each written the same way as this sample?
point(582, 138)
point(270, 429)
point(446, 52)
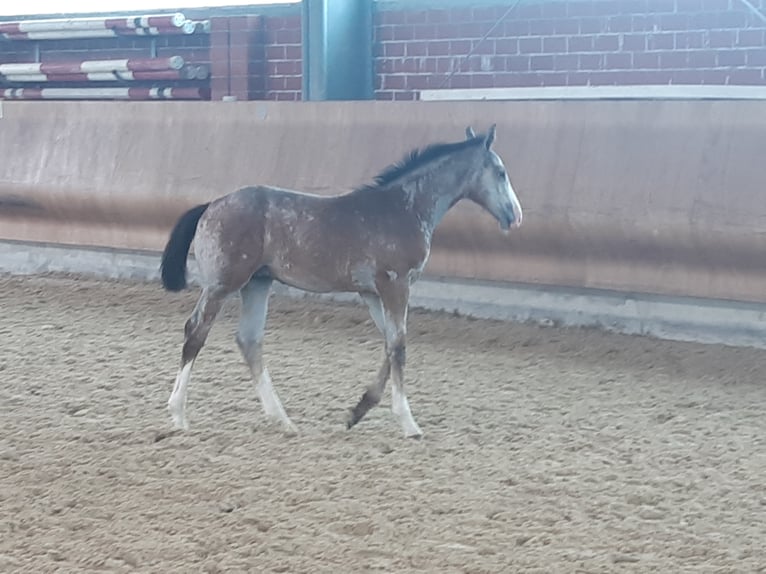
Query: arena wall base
point(681, 319)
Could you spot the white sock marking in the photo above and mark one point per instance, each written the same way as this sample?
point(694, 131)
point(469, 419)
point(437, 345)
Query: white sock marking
point(272, 406)
point(177, 400)
point(400, 406)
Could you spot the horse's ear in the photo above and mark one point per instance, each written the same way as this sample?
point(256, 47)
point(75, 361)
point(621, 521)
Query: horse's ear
point(469, 134)
point(490, 136)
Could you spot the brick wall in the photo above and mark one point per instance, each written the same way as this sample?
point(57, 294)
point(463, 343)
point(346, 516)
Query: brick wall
point(569, 43)
point(418, 44)
point(283, 58)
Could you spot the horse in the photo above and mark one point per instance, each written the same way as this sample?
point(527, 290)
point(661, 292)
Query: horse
point(374, 240)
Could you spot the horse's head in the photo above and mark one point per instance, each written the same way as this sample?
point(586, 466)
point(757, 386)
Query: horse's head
point(490, 186)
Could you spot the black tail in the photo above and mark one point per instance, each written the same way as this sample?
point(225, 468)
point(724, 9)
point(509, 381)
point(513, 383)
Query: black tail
point(173, 267)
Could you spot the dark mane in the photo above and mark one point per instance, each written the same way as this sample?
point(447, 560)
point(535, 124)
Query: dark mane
point(418, 158)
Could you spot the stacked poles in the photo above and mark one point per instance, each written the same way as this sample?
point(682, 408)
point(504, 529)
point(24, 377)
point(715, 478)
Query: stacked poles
point(170, 68)
point(57, 29)
point(104, 94)
point(79, 72)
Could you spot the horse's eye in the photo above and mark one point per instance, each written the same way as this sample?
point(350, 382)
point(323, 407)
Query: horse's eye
point(501, 173)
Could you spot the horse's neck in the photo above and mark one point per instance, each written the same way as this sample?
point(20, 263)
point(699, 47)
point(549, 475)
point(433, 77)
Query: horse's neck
point(433, 195)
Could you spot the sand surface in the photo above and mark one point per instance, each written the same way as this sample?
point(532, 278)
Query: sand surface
point(545, 450)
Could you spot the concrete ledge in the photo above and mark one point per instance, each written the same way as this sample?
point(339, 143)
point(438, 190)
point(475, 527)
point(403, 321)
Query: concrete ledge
point(683, 319)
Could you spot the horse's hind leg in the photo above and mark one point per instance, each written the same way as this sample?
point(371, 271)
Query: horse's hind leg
point(252, 326)
point(196, 331)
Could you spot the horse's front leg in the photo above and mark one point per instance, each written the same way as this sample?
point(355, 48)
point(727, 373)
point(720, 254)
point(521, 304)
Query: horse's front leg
point(389, 312)
point(374, 392)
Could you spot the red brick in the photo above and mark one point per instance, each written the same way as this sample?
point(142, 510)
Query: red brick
point(746, 38)
point(219, 53)
point(567, 26)
point(447, 31)
point(384, 33)
point(384, 95)
point(459, 81)
point(745, 77)
point(554, 9)
point(592, 26)
point(404, 32)
point(485, 48)
point(732, 19)
point(219, 87)
point(580, 44)
point(287, 96)
point(687, 77)
point(709, 5)
point(689, 40)
point(702, 58)
point(417, 82)
point(619, 61)
point(293, 83)
point(673, 59)
point(584, 8)
point(482, 80)
point(460, 46)
point(394, 49)
point(554, 45)
point(239, 68)
point(731, 58)
point(507, 46)
point(392, 17)
point(416, 48)
point(528, 11)
point(488, 13)
point(440, 48)
point(688, 5)
point(530, 45)
point(606, 43)
point(541, 62)
point(438, 16)
point(405, 96)
point(273, 23)
point(643, 22)
point(416, 17)
point(756, 57)
point(660, 6)
point(460, 15)
point(552, 78)
point(288, 36)
point(644, 60)
point(393, 82)
point(577, 79)
point(514, 28)
point(590, 61)
point(542, 27)
point(704, 21)
point(472, 30)
point(634, 42)
point(288, 68)
point(714, 77)
point(517, 63)
point(618, 24)
point(275, 52)
point(565, 62)
point(293, 52)
point(275, 83)
point(424, 32)
point(721, 38)
point(661, 41)
point(674, 22)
